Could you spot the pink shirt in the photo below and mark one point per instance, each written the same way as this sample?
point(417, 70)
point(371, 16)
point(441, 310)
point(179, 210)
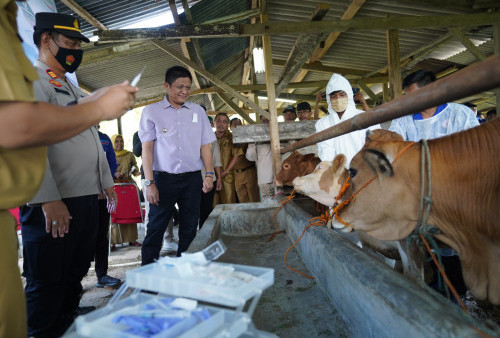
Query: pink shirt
point(178, 135)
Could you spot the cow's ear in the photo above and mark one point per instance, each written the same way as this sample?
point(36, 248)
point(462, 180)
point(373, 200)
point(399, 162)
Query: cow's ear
point(338, 164)
point(368, 134)
point(378, 162)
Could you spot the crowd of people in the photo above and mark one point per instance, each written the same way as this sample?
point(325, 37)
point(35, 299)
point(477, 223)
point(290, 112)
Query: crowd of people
point(64, 178)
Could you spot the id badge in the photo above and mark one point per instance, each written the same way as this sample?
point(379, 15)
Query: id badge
point(195, 118)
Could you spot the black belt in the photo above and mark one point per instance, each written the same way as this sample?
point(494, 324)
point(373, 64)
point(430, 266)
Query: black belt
point(242, 170)
point(180, 174)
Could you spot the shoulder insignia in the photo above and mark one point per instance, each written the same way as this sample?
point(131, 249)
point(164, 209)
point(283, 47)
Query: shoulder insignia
point(55, 83)
point(62, 91)
point(51, 73)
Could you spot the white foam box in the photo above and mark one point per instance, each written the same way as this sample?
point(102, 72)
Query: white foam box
point(99, 323)
point(166, 279)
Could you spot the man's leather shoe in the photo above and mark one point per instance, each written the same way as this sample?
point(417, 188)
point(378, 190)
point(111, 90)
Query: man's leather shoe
point(107, 281)
point(81, 310)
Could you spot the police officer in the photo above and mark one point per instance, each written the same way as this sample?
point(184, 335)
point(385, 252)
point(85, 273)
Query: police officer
point(23, 156)
point(60, 223)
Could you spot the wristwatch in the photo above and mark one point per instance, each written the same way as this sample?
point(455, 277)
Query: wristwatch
point(147, 183)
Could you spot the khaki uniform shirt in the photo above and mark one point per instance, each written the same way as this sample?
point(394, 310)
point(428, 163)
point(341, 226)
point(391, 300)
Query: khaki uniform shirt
point(75, 167)
point(21, 170)
point(227, 152)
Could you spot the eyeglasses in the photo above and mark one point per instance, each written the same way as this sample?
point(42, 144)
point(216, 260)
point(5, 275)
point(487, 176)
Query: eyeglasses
point(182, 87)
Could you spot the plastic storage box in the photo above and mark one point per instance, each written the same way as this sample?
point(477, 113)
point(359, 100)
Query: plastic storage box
point(176, 280)
point(101, 323)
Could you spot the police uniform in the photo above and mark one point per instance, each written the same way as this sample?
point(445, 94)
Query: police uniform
point(77, 171)
point(21, 171)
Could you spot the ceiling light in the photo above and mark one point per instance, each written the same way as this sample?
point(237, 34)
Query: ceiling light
point(258, 60)
point(278, 99)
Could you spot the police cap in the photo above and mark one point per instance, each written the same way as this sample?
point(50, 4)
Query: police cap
point(62, 23)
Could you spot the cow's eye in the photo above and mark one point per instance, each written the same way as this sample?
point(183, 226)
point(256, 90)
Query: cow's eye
point(352, 172)
point(286, 166)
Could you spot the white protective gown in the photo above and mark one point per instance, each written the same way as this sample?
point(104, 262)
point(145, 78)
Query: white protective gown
point(451, 118)
point(348, 144)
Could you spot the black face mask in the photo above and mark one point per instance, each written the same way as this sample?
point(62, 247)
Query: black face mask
point(70, 59)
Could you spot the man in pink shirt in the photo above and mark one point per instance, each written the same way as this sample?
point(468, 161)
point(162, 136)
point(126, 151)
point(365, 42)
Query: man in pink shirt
point(176, 137)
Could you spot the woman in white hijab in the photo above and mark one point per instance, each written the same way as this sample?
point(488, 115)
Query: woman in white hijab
point(341, 107)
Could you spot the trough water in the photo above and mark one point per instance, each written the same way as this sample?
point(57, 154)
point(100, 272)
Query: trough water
point(353, 294)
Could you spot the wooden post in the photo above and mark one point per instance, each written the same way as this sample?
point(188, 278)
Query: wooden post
point(496, 50)
point(385, 92)
point(393, 64)
point(119, 125)
point(271, 93)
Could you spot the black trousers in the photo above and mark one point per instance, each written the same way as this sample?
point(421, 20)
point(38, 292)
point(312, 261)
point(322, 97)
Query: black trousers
point(102, 242)
point(183, 189)
point(55, 267)
point(206, 207)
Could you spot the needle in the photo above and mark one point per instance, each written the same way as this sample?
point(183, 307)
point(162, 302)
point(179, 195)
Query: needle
point(136, 79)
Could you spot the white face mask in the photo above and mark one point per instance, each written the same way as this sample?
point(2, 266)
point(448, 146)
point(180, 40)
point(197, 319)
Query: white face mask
point(340, 105)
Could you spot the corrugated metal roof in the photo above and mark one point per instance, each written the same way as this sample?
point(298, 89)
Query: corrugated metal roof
point(354, 49)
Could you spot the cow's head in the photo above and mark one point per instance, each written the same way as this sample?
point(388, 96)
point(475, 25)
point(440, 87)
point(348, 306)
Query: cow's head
point(322, 184)
point(294, 166)
point(385, 208)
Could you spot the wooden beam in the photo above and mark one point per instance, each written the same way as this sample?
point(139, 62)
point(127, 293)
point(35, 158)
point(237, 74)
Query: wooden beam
point(198, 55)
point(322, 49)
point(248, 64)
point(295, 85)
point(349, 13)
point(271, 94)
point(184, 47)
point(109, 53)
point(287, 131)
point(290, 96)
point(496, 50)
point(318, 67)
point(418, 54)
point(393, 64)
point(71, 4)
point(368, 91)
point(248, 14)
point(212, 78)
point(459, 34)
point(301, 50)
point(457, 4)
point(307, 27)
point(235, 107)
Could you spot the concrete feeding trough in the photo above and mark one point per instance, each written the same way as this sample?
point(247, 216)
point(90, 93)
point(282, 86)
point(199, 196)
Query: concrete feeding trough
point(372, 299)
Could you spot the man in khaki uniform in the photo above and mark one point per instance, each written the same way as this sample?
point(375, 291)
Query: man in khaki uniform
point(229, 157)
point(245, 175)
point(26, 127)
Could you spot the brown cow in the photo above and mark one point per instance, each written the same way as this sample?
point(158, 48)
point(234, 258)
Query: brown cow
point(465, 203)
point(323, 185)
point(295, 165)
